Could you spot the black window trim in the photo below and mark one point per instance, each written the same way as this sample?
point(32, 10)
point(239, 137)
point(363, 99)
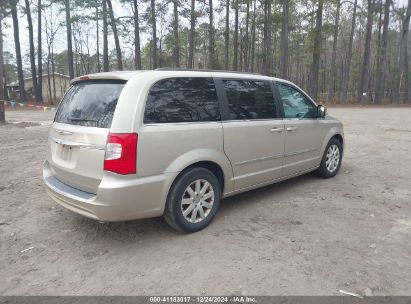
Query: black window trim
point(277, 93)
point(182, 122)
point(225, 111)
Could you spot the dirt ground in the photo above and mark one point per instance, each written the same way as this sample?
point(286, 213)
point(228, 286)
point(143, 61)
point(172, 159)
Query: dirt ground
point(305, 236)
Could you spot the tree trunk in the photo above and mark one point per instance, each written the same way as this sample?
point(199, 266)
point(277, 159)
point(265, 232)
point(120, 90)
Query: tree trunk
point(382, 58)
point(105, 38)
point(39, 52)
point(235, 42)
point(240, 51)
point(253, 38)
point(14, 16)
point(363, 86)
point(176, 41)
point(246, 38)
point(53, 74)
point(333, 69)
point(191, 38)
point(211, 58)
point(48, 75)
point(227, 35)
point(346, 75)
point(298, 65)
point(32, 51)
point(284, 39)
point(137, 51)
point(69, 40)
point(315, 67)
point(265, 39)
point(269, 49)
point(153, 24)
point(403, 53)
point(115, 34)
point(2, 113)
point(98, 38)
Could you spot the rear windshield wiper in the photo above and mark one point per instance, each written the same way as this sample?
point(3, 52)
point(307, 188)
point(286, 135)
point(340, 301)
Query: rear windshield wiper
point(81, 119)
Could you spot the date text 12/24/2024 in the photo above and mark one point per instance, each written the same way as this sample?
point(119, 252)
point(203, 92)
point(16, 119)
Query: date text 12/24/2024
point(203, 299)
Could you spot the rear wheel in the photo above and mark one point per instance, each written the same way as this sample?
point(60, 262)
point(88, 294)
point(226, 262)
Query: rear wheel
point(332, 158)
point(193, 200)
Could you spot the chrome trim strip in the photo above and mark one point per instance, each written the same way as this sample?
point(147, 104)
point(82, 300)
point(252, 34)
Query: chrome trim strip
point(253, 120)
point(299, 152)
point(181, 123)
point(75, 144)
point(217, 121)
point(258, 159)
point(273, 157)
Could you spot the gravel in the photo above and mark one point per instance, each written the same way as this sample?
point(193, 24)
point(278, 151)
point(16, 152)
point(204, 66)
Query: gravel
point(304, 236)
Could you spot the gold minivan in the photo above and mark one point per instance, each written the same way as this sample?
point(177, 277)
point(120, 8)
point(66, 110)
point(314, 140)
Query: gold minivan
point(139, 144)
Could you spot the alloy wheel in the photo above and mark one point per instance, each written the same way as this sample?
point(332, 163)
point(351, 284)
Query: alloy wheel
point(332, 158)
point(197, 201)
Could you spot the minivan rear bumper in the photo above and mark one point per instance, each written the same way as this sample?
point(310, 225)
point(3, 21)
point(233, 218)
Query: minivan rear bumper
point(118, 198)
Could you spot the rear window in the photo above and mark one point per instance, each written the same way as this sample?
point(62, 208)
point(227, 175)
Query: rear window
point(90, 103)
point(183, 99)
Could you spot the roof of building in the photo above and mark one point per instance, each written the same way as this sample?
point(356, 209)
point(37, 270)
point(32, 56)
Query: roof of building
point(16, 83)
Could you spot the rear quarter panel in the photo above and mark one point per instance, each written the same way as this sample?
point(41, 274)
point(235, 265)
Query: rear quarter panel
point(168, 147)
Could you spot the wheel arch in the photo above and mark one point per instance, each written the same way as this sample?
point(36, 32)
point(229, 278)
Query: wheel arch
point(340, 138)
point(209, 165)
point(334, 132)
point(212, 160)
point(212, 166)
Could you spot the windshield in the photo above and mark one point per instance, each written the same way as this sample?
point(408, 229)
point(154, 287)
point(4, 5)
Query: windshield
point(90, 103)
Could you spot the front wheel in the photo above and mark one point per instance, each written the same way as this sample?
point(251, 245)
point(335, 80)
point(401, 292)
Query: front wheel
point(332, 158)
point(193, 200)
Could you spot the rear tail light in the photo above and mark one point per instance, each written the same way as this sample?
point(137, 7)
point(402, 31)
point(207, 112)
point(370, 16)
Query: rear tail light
point(121, 153)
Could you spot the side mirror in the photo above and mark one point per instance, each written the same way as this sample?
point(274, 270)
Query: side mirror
point(321, 111)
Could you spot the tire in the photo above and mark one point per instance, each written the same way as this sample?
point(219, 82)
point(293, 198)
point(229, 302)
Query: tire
point(181, 200)
point(329, 168)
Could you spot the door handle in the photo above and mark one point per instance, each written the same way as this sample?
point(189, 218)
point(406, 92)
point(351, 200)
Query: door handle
point(290, 129)
point(277, 130)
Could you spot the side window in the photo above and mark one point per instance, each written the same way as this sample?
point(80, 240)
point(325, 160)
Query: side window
point(182, 100)
point(250, 99)
point(295, 104)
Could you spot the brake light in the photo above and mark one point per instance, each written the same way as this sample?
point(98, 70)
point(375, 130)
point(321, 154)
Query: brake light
point(84, 78)
point(121, 153)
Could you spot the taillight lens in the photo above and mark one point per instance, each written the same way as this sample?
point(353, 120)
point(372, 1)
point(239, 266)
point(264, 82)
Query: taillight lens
point(121, 153)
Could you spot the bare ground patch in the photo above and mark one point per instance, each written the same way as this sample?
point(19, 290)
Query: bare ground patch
point(305, 236)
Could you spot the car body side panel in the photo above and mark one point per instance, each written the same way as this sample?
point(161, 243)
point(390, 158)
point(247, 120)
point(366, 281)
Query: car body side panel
point(334, 128)
point(255, 150)
point(303, 141)
point(171, 148)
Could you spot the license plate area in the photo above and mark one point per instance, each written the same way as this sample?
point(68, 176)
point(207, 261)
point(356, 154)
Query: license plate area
point(64, 152)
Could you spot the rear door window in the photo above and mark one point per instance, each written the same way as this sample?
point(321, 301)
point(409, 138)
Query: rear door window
point(182, 99)
point(250, 99)
point(90, 103)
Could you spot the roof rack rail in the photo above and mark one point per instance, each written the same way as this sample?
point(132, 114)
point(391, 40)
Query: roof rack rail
point(204, 70)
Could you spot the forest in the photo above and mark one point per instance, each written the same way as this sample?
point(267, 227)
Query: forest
point(339, 51)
